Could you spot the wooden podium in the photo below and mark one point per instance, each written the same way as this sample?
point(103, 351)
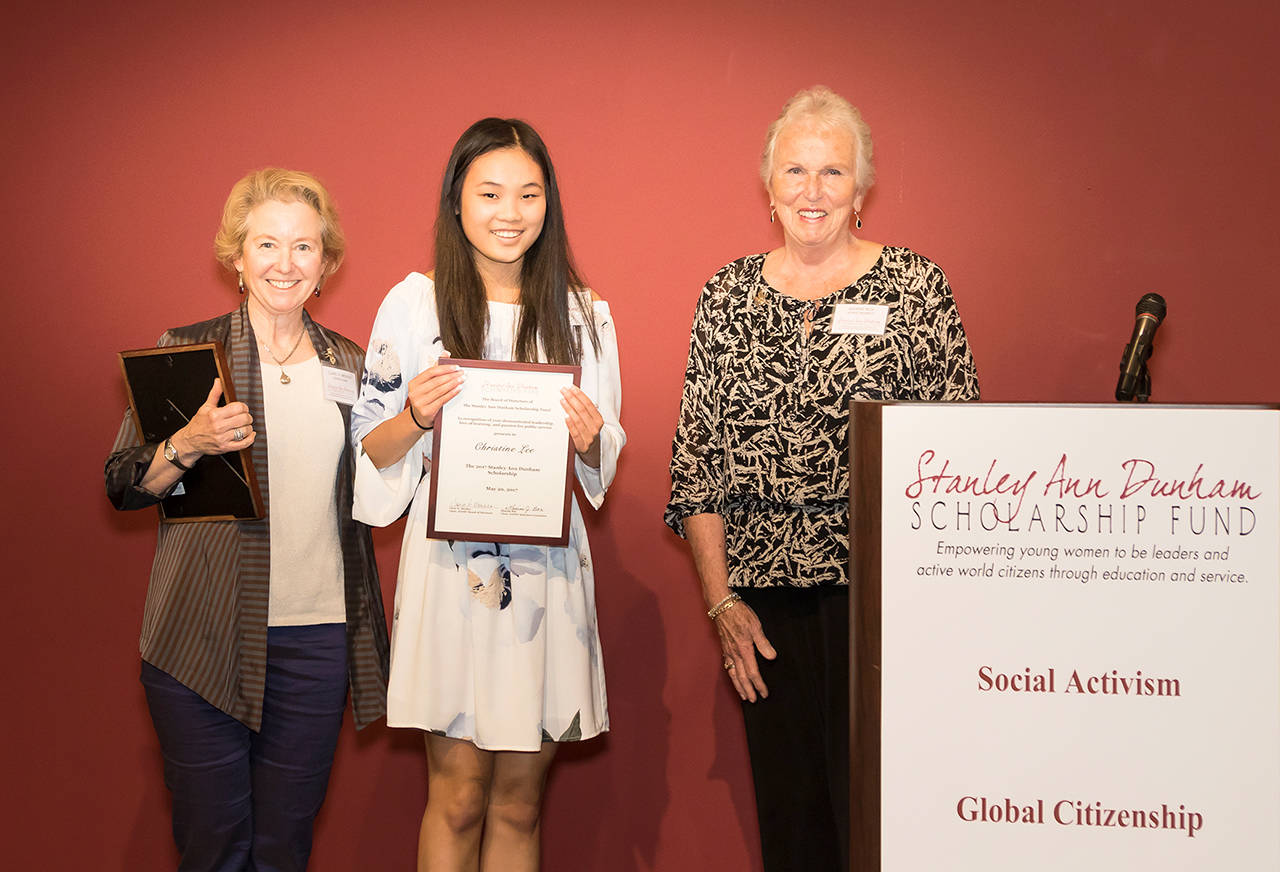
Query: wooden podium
point(1066, 637)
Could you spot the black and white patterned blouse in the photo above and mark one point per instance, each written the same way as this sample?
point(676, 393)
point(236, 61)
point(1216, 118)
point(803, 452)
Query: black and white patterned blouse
point(761, 439)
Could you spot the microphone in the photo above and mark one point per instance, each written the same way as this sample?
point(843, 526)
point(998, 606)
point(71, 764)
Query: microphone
point(1133, 365)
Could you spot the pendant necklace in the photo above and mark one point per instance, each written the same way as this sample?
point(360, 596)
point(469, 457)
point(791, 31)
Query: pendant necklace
point(284, 377)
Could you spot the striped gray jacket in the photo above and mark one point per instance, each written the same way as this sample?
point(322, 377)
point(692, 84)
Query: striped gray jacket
point(205, 620)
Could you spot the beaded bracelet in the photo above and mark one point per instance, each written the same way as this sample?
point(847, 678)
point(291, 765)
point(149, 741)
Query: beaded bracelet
point(723, 606)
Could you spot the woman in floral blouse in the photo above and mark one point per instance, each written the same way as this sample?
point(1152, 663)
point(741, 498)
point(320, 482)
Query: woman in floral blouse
point(781, 342)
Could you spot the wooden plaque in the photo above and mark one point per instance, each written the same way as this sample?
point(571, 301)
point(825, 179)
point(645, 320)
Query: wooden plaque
point(166, 387)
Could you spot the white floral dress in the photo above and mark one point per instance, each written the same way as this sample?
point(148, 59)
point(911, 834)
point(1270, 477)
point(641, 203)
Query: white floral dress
point(492, 643)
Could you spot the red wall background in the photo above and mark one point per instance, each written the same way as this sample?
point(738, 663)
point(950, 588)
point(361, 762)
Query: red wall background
point(1058, 159)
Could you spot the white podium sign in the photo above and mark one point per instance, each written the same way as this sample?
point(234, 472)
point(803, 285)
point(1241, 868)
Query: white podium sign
point(1080, 656)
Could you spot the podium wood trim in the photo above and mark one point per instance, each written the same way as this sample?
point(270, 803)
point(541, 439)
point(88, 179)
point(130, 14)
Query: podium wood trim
point(864, 624)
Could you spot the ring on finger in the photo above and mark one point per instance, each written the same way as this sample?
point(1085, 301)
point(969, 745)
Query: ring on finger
point(238, 434)
point(728, 664)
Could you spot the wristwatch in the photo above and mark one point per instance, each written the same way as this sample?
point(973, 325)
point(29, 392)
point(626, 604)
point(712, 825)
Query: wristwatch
point(171, 455)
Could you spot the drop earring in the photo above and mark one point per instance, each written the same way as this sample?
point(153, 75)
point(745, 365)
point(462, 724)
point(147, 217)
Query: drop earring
point(241, 275)
point(857, 220)
point(772, 210)
point(317, 290)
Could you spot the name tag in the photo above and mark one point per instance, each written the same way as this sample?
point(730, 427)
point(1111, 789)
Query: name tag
point(862, 318)
point(340, 386)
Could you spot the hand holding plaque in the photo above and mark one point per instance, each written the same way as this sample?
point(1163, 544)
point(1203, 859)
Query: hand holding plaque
point(502, 455)
point(169, 388)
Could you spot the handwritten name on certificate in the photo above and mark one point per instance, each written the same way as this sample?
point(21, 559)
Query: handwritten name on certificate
point(502, 459)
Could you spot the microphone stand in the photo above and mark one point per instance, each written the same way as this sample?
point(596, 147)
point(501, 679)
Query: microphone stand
point(1143, 392)
point(1142, 383)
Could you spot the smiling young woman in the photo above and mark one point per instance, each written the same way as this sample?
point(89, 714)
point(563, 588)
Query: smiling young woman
point(502, 209)
point(495, 651)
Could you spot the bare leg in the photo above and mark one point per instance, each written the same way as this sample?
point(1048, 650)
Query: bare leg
point(458, 779)
point(512, 823)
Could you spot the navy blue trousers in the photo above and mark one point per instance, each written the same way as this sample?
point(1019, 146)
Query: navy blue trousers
point(798, 738)
point(245, 801)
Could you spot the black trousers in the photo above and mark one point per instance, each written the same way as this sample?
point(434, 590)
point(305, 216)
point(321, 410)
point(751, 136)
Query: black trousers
point(798, 738)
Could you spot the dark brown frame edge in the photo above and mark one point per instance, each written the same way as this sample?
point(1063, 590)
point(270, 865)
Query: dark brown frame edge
point(864, 624)
point(566, 516)
point(228, 396)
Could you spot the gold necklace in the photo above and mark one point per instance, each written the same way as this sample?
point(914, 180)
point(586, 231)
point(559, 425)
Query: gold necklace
point(284, 377)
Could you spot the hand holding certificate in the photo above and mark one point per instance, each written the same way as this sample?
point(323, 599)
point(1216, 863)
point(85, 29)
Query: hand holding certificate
point(502, 456)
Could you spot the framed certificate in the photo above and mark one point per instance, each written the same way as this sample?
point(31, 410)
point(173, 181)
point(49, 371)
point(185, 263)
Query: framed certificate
point(502, 459)
point(166, 387)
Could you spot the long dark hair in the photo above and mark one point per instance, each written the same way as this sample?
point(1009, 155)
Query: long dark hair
point(547, 273)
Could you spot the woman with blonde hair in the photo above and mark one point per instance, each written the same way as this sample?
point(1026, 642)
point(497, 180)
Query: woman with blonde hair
point(255, 630)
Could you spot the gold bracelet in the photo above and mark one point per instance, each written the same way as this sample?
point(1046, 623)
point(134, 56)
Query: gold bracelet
point(724, 605)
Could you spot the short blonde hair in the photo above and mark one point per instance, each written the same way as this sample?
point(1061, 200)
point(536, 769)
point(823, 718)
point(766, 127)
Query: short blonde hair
point(829, 109)
point(287, 186)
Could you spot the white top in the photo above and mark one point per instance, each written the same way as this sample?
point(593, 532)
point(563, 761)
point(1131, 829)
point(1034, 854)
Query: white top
point(492, 643)
point(304, 447)
point(406, 341)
